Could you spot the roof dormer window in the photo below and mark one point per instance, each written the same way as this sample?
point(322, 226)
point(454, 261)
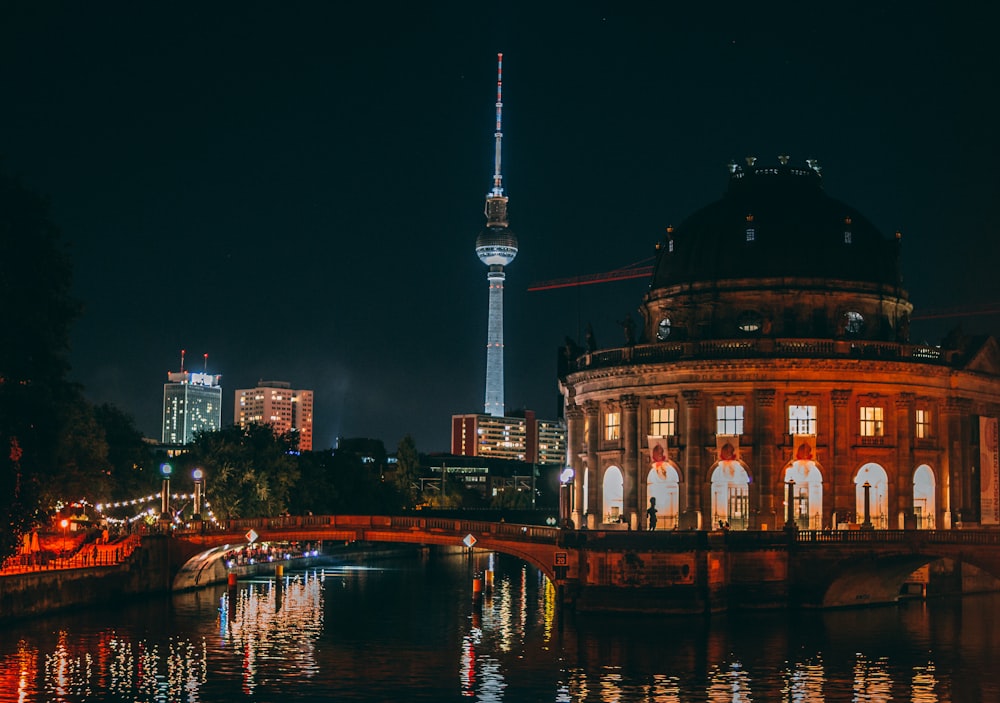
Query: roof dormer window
point(847, 230)
point(751, 231)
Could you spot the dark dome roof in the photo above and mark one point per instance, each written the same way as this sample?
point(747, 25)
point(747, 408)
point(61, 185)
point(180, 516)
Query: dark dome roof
point(797, 230)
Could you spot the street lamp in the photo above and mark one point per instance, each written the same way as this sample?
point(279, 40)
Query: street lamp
point(199, 478)
point(565, 495)
point(166, 470)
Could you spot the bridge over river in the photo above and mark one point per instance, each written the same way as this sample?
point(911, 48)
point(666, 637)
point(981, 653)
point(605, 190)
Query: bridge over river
point(665, 571)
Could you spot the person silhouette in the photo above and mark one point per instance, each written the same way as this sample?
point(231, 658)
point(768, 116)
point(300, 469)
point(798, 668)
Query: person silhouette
point(651, 512)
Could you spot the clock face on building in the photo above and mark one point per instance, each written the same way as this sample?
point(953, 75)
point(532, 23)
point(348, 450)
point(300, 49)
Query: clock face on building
point(663, 329)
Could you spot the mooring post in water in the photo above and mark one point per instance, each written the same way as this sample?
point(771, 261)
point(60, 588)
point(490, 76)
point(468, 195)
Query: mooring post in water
point(477, 589)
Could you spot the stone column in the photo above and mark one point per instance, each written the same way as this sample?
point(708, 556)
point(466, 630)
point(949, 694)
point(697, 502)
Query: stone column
point(839, 485)
point(690, 517)
point(574, 459)
point(592, 410)
point(764, 468)
point(953, 443)
point(904, 461)
point(630, 459)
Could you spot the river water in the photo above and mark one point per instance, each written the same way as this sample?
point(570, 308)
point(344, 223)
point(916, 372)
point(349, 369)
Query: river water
point(408, 630)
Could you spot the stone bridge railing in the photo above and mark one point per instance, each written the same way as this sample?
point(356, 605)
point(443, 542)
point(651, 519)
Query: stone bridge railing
point(288, 524)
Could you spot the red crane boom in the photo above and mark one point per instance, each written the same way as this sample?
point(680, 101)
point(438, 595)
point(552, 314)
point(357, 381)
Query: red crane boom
point(640, 269)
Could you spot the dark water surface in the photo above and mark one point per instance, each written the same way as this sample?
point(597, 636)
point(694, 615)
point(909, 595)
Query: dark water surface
point(407, 630)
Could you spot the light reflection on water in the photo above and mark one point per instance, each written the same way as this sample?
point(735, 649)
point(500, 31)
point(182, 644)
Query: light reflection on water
point(408, 630)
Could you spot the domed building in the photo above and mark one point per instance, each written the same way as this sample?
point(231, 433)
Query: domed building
point(773, 383)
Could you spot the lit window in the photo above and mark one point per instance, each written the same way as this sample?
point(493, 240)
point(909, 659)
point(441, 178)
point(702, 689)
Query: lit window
point(663, 329)
point(729, 419)
point(612, 426)
point(662, 422)
point(871, 422)
point(802, 419)
point(749, 322)
point(751, 234)
point(923, 424)
point(847, 230)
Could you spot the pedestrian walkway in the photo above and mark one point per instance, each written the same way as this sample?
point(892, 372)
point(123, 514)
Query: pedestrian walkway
point(88, 555)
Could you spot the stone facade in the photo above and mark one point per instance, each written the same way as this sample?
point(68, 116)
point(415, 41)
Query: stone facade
point(837, 420)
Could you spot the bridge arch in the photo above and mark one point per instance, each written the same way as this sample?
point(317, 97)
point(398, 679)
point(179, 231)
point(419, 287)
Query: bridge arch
point(193, 552)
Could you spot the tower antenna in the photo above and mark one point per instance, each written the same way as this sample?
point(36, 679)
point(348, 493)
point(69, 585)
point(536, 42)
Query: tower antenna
point(206, 363)
point(498, 135)
point(182, 361)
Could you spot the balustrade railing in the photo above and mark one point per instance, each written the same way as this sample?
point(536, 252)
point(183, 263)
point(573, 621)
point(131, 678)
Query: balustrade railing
point(760, 347)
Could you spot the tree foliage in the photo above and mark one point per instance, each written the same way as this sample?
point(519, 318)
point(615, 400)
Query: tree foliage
point(130, 462)
point(248, 472)
point(407, 475)
point(36, 311)
point(339, 482)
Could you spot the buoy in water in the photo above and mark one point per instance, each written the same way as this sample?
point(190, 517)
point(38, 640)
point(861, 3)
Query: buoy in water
point(477, 588)
point(231, 579)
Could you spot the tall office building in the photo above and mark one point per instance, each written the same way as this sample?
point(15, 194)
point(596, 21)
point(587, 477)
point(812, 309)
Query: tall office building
point(496, 246)
point(520, 438)
point(277, 404)
point(192, 402)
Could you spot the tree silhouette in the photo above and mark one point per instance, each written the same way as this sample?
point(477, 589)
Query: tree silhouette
point(36, 311)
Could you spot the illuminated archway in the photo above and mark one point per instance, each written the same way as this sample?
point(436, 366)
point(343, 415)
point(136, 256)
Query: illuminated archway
point(878, 503)
point(662, 483)
point(924, 507)
point(730, 494)
point(614, 495)
point(807, 493)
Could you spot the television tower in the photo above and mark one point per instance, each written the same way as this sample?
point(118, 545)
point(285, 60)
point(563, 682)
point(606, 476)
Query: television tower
point(496, 247)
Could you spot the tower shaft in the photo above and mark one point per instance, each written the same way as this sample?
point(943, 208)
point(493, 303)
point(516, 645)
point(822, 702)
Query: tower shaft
point(494, 344)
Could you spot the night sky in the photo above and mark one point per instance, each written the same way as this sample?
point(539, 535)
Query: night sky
point(295, 188)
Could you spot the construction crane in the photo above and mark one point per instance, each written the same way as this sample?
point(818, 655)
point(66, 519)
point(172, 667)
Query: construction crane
point(643, 269)
point(640, 269)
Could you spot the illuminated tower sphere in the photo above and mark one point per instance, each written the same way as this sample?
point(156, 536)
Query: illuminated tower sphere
point(496, 247)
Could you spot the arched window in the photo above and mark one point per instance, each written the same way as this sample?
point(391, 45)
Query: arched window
point(924, 507)
point(730, 495)
point(663, 483)
point(614, 493)
point(807, 493)
point(878, 495)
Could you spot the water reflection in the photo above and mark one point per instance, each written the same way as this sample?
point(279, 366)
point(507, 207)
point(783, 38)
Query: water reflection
point(411, 631)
